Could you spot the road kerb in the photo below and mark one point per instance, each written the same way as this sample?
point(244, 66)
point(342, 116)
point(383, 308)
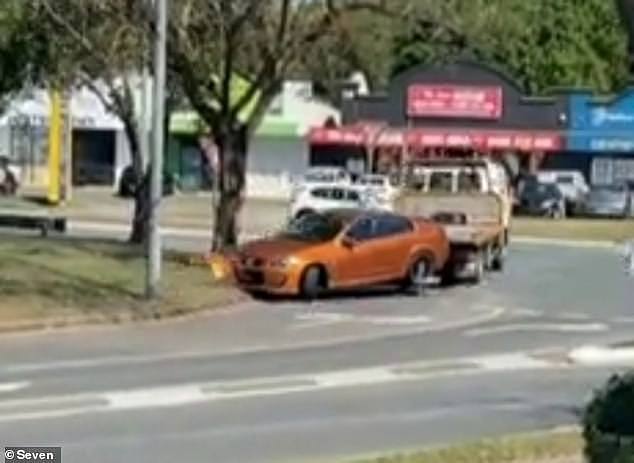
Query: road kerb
point(573, 243)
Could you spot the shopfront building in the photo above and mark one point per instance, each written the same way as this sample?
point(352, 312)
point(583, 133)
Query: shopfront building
point(601, 137)
point(461, 108)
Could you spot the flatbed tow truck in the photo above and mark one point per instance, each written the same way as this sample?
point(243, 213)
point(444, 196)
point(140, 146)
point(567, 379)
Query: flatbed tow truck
point(474, 226)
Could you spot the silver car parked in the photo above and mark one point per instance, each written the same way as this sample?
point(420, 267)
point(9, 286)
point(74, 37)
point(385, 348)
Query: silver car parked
point(608, 201)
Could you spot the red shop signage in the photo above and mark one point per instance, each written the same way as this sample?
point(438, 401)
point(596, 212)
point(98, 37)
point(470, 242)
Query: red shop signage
point(518, 141)
point(337, 136)
point(454, 101)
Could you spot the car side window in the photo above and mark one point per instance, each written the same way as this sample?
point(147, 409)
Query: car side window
point(353, 196)
point(363, 229)
point(338, 194)
point(389, 225)
point(321, 193)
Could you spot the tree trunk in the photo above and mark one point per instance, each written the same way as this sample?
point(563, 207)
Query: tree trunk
point(138, 233)
point(232, 153)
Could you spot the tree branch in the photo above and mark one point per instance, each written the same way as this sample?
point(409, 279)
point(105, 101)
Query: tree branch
point(271, 60)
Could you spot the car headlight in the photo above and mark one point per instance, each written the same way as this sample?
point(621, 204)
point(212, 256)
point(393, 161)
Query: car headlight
point(283, 262)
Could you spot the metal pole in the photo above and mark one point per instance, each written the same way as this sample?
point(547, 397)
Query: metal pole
point(156, 183)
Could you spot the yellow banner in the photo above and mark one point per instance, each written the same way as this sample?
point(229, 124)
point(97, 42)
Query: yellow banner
point(55, 149)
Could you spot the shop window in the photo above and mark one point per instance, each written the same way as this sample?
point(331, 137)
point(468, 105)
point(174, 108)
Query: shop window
point(623, 170)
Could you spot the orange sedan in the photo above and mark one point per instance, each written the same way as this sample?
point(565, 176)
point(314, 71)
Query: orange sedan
point(343, 249)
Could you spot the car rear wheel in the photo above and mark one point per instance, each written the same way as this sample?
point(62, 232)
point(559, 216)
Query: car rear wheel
point(313, 283)
point(417, 275)
point(303, 213)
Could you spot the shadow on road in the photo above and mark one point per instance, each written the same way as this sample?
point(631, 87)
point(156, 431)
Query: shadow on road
point(365, 293)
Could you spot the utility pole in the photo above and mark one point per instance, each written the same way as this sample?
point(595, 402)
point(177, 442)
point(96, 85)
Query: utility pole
point(156, 183)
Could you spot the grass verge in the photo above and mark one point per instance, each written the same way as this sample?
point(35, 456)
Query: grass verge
point(574, 229)
point(59, 278)
point(534, 448)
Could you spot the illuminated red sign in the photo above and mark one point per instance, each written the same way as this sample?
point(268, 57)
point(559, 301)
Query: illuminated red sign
point(487, 141)
point(454, 101)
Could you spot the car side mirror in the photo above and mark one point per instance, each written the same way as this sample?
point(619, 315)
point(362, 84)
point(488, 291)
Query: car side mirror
point(348, 242)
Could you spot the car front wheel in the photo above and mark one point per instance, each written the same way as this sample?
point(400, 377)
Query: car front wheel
point(313, 283)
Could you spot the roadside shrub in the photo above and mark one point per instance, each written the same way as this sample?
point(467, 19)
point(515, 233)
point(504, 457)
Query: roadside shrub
point(608, 422)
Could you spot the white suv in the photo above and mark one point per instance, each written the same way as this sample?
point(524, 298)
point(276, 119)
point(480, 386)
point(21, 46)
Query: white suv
point(571, 183)
point(324, 197)
point(321, 176)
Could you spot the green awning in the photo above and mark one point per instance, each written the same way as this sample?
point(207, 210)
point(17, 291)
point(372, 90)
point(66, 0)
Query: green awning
point(188, 123)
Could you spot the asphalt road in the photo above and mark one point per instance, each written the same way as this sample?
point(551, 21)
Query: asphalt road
point(318, 426)
point(288, 381)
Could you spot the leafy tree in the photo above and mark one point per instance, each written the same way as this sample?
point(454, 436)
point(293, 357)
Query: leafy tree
point(103, 45)
point(543, 43)
point(231, 57)
point(363, 43)
point(21, 57)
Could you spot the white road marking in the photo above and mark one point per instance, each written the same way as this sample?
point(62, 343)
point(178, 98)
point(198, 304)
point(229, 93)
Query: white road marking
point(524, 312)
point(517, 361)
point(309, 320)
point(560, 328)
point(154, 398)
point(12, 387)
point(192, 393)
point(357, 378)
point(623, 320)
point(574, 316)
point(595, 355)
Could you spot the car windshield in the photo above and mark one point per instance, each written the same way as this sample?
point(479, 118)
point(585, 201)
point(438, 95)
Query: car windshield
point(566, 179)
point(372, 181)
point(541, 189)
point(314, 227)
point(319, 177)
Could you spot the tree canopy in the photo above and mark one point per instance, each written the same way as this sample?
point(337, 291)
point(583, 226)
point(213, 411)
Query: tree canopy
point(22, 53)
point(543, 43)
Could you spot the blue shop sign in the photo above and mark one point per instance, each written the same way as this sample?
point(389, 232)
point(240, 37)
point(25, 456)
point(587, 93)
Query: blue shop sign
point(601, 125)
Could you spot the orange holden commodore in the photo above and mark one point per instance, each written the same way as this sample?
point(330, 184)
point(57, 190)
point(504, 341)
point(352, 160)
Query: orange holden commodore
point(342, 249)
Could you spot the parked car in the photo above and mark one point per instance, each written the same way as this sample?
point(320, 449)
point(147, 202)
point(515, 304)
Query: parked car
point(325, 197)
point(9, 177)
point(128, 184)
point(571, 183)
point(383, 187)
point(342, 249)
point(542, 199)
point(608, 201)
point(321, 176)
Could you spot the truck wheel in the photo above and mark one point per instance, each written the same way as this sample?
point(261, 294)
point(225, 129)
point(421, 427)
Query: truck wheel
point(448, 276)
point(488, 256)
point(313, 283)
point(497, 265)
point(479, 267)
